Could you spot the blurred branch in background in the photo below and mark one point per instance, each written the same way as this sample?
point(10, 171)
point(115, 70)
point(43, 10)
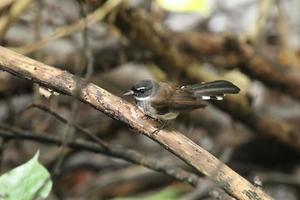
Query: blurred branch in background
point(284, 32)
point(14, 13)
point(5, 3)
point(110, 150)
point(91, 19)
point(230, 53)
point(265, 8)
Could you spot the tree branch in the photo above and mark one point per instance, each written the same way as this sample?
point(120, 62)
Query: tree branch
point(66, 83)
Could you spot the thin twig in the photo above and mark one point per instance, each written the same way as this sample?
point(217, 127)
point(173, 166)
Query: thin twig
point(5, 3)
point(65, 121)
point(16, 10)
point(91, 19)
point(265, 8)
point(88, 59)
point(117, 152)
point(129, 155)
point(285, 35)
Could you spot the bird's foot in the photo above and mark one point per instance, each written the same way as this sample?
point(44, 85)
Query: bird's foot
point(161, 127)
point(162, 123)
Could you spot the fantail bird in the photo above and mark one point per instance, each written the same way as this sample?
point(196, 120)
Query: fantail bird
point(164, 101)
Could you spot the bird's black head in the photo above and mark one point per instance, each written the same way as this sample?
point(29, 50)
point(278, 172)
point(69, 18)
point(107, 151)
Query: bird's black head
point(143, 89)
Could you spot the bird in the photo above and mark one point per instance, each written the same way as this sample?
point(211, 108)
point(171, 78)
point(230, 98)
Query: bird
point(165, 101)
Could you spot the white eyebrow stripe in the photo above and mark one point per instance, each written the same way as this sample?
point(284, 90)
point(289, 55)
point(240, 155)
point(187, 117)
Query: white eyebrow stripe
point(140, 88)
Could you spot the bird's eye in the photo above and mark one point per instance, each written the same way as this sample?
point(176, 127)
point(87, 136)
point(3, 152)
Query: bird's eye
point(141, 89)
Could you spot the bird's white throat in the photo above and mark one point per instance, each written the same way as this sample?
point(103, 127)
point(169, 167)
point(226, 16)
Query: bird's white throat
point(141, 98)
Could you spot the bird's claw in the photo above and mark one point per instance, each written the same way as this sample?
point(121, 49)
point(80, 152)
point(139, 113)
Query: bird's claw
point(161, 127)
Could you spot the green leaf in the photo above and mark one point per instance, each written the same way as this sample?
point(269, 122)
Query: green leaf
point(26, 182)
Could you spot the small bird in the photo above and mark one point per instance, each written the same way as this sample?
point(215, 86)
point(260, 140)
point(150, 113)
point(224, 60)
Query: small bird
point(165, 101)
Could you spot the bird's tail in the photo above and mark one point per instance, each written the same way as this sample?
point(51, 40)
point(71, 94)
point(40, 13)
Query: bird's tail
point(214, 90)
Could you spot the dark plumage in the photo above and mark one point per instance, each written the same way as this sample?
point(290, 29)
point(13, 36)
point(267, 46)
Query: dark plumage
point(165, 101)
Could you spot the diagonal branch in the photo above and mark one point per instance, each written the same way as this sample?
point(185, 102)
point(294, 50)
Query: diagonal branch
point(113, 106)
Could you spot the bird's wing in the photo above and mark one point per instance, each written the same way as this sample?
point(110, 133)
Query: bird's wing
point(178, 101)
point(184, 100)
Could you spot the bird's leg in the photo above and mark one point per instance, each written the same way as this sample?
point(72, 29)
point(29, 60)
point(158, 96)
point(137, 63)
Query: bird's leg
point(161, 127)
point(163, 123)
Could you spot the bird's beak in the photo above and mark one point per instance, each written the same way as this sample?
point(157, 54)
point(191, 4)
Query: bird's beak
point(130, 92)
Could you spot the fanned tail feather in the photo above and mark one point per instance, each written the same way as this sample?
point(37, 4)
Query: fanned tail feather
point(214, 90)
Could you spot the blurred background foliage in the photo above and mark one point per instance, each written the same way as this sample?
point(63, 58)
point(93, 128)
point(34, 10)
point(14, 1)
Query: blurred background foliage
point(254, 44)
